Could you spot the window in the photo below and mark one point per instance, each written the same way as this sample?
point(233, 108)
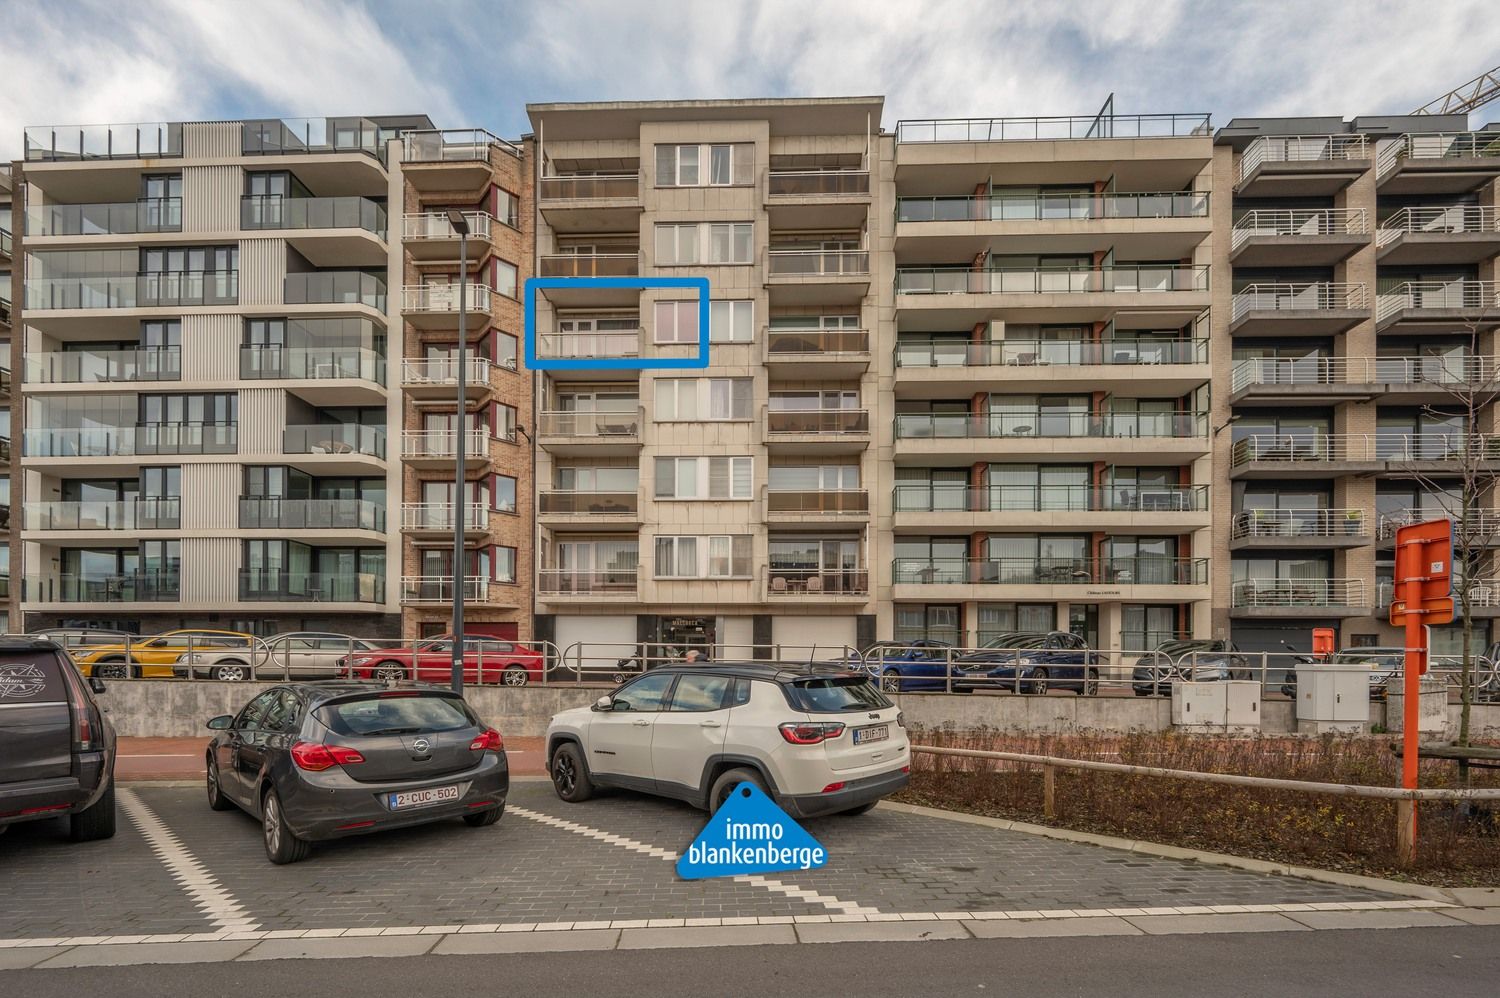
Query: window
point(505, 422)
point(718, 243)
point(505, 564)
point(700, 693)
point(676, 321)
point(507, 208)
point(719, 556)
point(718, 165)
point(505, 278)
point(731, 321)
point(704, 477)
point(729, 242)
point(676, 245)
point(505, 351)
point(505, 493)
point(648, 694)
point(680, 399)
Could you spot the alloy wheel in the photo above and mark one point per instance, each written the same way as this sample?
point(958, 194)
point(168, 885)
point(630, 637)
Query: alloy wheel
point(564, 775)
point(272, 823)
point(890, 682)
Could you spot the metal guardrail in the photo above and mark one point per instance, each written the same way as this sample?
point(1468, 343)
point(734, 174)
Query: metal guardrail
point(1285, 523)
point(1297, 297)
point(453, 145)
point(1001, 498)
point(817, 422)
point(623, 426)
point(1435, 145)
point(1143, 570)
point(1090, 206)
point(440, 444)
point(1478, 525)
point(1114, 126)
point(1479, 297)
point(1121, 278)
point(444, 297)
point(555, 344)
point(1443, 371)
point(434, 225)
point(1298, 222)
point(817, 263)
point(1301, 149)
point(444, 371)
point(1121, 351)
point(439, 516)
point(1450, 220)
point(1298, 592)
point(1302, 447)
point(1038, 425)
point(803, 344)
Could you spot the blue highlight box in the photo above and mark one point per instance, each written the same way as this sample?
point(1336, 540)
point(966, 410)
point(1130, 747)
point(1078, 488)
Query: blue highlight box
point(535, 363)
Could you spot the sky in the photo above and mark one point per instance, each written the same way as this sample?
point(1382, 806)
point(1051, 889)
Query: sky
point(470, 63)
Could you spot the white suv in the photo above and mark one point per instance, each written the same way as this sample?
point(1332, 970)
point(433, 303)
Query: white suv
point(819, 741)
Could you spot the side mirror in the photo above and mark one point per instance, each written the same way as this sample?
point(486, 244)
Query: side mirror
point(221, 723)
point(97, 685)
point(605, 702)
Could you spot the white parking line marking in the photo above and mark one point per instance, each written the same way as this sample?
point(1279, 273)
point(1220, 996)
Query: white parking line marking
point(656, 852)
point(217, 904)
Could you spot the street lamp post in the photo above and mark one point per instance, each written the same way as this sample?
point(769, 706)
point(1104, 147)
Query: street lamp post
point(460, 436)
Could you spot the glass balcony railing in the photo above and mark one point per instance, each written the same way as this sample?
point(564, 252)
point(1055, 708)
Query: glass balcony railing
point(808, 582)
point(1036, 353)
point(943, 497)
point(453, 145)
point(128, 587)
point(1148, 570)
point(276, 212)
point(624, 424)
point(334, 438)
point(817, 183)
point(591, 264)
point(622, 582)
point(144, 215)
point(335, 287)
point(186, 287)
point(817, 501)
point(125, 514)
point(1122, 278)
point(566, 502)
point(95, 366)
point(143, 439)
point(590, 187)
point(92, 441)
point(264, 513)
point(259, 363)
point(801, 344)
point(186, 438)
point(142, 140)
point(1099, 126)
point(589, 343)
point(817, 422)
point(817, 263)
point(921, 426)
point(268, 586)
point(1052, 207)
point(313, 136)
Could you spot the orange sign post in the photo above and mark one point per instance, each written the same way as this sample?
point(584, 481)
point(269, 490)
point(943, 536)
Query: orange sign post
point(1424, 585)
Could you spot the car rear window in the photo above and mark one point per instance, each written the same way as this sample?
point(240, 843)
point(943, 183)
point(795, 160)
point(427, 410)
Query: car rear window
point(835, 693)
point(31, 678)
point(387, 715)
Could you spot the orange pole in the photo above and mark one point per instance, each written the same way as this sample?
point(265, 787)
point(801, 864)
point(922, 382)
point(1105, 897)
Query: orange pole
point(1410, 570)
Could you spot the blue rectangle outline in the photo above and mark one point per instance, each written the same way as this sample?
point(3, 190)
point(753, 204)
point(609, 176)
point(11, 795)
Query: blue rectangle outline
point(533, 284)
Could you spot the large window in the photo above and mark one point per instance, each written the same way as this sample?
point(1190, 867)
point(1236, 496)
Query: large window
point(936, 622)
point(731, 321)
point(704, 477)
point(683, 399)
point(713, 243)
point(718, 165)
point(996, 619)
point(505, 278)
point(505, 564)
point(717, 556)
point(676, 321)
point(505, 493)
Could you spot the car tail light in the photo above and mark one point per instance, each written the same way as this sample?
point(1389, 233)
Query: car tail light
point(316, 757)
point(489, 740)
point(832, 787)
point(906, 769)
point(900, 719)
point(83, 715)
point(810, 732)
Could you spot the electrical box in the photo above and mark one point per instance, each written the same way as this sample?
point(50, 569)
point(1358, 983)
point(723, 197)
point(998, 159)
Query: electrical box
point(1242, 705)
point(1199, 706)
point(1333, 697)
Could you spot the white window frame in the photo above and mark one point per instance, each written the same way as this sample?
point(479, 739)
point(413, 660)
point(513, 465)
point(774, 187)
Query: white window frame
point(670, 393)
point(739, 312)
point(702, 168)
point(701, 243)
point(701, 551)
point(701, 471)
point(678, 309)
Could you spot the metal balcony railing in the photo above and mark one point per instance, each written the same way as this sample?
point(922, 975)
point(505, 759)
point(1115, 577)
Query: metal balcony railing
point(1281, 523)
point(444, 371)
point(272, 211)
point(1299, 222)
point(125, 514)
point(622, 425)
point(817, 183)
point(334, 438)
point(259, 363)
point(1447, 371)
point(1038, 353)
point(591, 264)
point(444, 297)
point(1481, 526)
point(802, 344)
point(556, 344)
point(1147, 570)
point(269, 513)
point(1296, 297)
point(1449, 220)
point(439, 589)
point(942, 497)
point(93, 366)
point(439, 516)
point(1115, 126)
point(140, 140)
point(1436, 145)
point(1480, 297)
point(1425, 447)
point(1091, 206)
point(830, 502)
point(590, 187)
point(143, 215)
point(801, 582)
point(921, 426)
point(571, 502)
point(622, 582)
point(434, 226)
point(453, 145)
point(440, 443)
point(817, 422)
point(1301, 149)
point(1124, 278)
point(817, 263)
point(1253, 593)
point(267, 586)
point(335, 287)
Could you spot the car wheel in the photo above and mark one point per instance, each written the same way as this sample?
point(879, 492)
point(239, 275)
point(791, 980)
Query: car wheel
point(862, 809)
point(97, 821)
point(216, 798)
point(618, 677)
point(230, 672)
point(114, 668)
point(515, 675)
point(1038, 683)
point(282, 847)
point(727, 781)
point(387, 671)
point(1090, 687)
point(484, 819)
point(570, 778)
point(890, 682)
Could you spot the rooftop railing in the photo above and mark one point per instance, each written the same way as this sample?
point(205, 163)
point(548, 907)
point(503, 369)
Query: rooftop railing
point(1283, 523)
point(313, 136)
point(1299, 222)
point(453, 145)
point(1052, 207)
point(1479, 297)
point(1298, 296)
point(1124, 278)
point(126, 217)
point(1040, 353)
point(1119, 126)
point(143, 140)
point(1301, 149)
point(1256, 593)
point(943, 497)
point(927, 426)
point(1449, 220)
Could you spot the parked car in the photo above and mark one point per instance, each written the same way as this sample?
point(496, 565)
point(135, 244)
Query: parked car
point(1385, 665)
point(817, 740)
point(486, 660)
point(317, 761)
point(74, 638)
point(155, 657)
point(294, 655)
point(1201, 660)
point(57, 747)
point(905, 666)
point(1033, 662)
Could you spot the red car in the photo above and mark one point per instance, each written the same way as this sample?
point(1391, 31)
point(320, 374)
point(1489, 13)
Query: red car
point(486, 660)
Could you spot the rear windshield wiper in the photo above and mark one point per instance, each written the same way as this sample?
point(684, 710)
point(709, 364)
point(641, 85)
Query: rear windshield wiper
point(391, 731)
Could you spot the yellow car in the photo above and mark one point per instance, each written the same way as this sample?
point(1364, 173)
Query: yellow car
point(154, 657)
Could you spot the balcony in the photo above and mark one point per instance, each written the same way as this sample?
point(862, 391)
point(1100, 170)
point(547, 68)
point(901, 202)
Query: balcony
point(326, 231)
point(1438, 307)
point(73, 367)
point(430, 236)
point(1092, 207)
point(1449, 236)
point(827, 506)
point(320, 364)
point(188, 287)
point(1317, 380)
point(437, 590)
point(562, 509)
point(1301, 165)
point(1484, 597)
point(591, 202)
point(263, 586)
point(66, 144)
point(1298, 528)
point(941, 505)
point(1315, 237)
point(125, 514)
point(453, 159)
point(816, 585)
point(1298, 598)
point(589, 434)
point(1327, 455)
point(1113, 126)
point(810, 354)
point(817, 431)
point(567, 585)
point(809, 184)
point(113, 589)
point(313, 137)
point(1438, 163)
point(111, 219)
point(1179, 434)
point(435, 519)
point(141, 440)
point(1068, 286)
point(1481, 528)
point(1143, 577)
point(348, 441)
point(834, 198)
point(574, 344)
point(1120, 364)
point(267, 513)
point(591, 265)
point(335, 287)
point(1314, 308)
point(436, 378)
point(436, 448)
point(435, 307)
point(816, 276)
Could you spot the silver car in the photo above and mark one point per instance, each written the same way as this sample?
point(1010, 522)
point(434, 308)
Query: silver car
point(293, 655)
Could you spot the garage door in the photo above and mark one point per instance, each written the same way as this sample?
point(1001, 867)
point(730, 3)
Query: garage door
point(1269, 637)
point(596, 642)
point(804, 638)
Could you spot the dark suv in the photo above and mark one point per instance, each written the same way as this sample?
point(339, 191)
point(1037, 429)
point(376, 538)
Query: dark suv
point(57, 750)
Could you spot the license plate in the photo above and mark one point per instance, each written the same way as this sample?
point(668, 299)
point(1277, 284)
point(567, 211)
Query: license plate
point(422, 798)
point(876, 733)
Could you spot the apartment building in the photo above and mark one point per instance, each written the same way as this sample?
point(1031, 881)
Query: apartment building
point(1354, 317)
point(1044, 375)
point(728, 506)
point(214, 427)
point(7, 594)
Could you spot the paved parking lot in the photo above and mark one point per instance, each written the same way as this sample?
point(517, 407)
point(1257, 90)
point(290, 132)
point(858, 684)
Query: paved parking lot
point(177, 867)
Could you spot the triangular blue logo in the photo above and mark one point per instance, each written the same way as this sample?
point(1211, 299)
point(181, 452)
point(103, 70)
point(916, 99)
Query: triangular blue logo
point(750, 834)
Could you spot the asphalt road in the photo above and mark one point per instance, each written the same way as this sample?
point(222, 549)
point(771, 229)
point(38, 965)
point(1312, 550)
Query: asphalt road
point(1451, 962)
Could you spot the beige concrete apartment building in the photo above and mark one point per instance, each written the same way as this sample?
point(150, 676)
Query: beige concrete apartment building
point(229, 343)
point(7, 528)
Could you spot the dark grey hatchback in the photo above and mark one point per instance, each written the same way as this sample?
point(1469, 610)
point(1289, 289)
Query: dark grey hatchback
point(323, 760)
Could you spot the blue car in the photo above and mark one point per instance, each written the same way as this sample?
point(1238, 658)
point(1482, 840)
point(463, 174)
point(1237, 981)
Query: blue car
point(907, 666)
point(1029, 663)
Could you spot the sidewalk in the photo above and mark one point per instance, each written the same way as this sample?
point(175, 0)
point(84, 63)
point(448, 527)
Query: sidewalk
point(182, 758)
